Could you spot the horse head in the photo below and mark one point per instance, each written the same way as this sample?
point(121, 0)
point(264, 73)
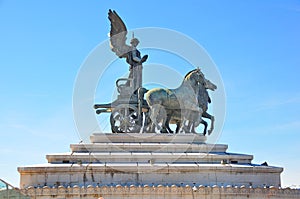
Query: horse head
point(209, 85)
point(194, 78)
point(202, 81)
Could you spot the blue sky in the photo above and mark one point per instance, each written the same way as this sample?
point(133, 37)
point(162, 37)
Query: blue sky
point(254, 44)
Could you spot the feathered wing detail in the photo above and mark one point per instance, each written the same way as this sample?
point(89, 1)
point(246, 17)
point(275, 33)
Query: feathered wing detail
point(118, 32)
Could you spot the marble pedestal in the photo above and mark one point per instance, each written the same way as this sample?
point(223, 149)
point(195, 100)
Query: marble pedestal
point(146, 161)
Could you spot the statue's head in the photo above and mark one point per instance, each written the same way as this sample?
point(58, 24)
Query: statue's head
point(134, 42)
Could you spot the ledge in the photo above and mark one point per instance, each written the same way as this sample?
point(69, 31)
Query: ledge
point(148, 147)
point(146, 138)
point(147, 168)
point(142, 157)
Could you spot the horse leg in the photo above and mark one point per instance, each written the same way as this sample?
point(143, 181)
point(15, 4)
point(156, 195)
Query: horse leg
point(212, 121)
point(212, 125)
point(163, 116)
point(178, 126)
point(193, 121)
point(168, 126)
point(169, 129)
point(189, 126)
point(163, 130)
point(196, 121)
point(168, 122)
point(205, 126)
point(181, 126)
point(193, 126)
point(163, 125)
point(185, 125)
point(152, 124)
point(152, 127)
point(154, 116)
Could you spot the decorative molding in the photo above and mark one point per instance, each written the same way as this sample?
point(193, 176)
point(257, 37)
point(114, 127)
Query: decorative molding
point(95, 191)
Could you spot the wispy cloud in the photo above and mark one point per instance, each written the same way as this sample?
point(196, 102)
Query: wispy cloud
point(276, 102)
point(293, 125)
point(290, 127)
point(26, 129)
point(52, 126)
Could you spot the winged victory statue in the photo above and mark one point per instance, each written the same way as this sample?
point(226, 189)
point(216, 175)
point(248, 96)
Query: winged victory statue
point(118, 37)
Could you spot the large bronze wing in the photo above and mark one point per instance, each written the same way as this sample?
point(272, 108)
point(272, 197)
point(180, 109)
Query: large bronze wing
point(118, 32)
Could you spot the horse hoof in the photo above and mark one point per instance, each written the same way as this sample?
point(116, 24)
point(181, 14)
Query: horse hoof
point(209, 132)
point(163, 131)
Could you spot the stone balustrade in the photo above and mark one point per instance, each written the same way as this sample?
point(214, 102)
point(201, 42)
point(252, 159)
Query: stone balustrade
point(161, 192)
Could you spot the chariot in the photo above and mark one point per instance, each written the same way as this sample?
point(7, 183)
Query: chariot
point(129, 112)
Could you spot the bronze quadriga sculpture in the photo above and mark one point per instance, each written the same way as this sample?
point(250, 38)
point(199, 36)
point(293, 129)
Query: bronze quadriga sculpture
point(132, 113)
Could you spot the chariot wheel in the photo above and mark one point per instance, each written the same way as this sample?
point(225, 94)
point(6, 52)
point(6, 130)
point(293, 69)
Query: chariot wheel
point(125, 119)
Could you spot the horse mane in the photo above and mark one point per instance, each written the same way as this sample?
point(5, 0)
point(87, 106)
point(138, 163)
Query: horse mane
point(190, 73)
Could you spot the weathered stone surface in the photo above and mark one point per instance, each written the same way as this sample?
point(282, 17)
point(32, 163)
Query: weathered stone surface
point(203, 164)
point(163, 192)
point(149, 147)
point(145, 157)
point(147, 138)
point(133, 166)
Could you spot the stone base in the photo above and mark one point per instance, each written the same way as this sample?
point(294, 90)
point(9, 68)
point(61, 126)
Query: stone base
point(141, 174)
point(161, 192)
point(147, 160)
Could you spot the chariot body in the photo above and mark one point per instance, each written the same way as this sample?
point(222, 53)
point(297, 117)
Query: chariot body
point(129, 112)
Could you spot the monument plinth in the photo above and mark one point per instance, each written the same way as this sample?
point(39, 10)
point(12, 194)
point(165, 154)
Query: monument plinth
point(117, 166)
point(153, 160)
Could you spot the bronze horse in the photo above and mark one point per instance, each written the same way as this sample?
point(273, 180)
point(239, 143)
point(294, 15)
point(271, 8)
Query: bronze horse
point(179, 116)
point(174, 116)
point(163, 101)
